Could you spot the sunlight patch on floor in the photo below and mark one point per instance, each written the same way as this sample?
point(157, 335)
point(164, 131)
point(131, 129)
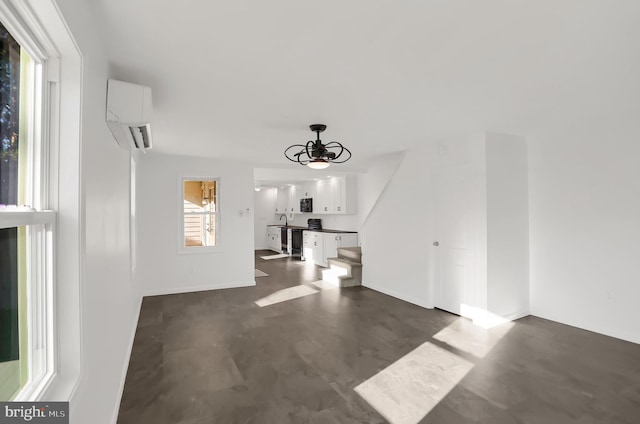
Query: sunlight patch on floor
point(408, 389)
point(278, 256)
point(258, 273)
point(325, 285)
point(468, 337)
point(286, 294)
point(295, 292)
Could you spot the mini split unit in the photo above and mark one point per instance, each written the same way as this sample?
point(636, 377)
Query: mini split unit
point(129, 110)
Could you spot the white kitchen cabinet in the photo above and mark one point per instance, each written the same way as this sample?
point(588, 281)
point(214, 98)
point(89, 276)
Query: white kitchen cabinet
point(344, 194)
point(293, 199)
point(274, 239)
point(332, 241)
point(307, 190)
point(336, 195)
point(282, 200)
point(312, 247)
point(323, 202)
point(318, 246)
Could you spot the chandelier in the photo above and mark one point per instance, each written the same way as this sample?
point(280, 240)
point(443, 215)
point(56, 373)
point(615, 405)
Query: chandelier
point(316, 155)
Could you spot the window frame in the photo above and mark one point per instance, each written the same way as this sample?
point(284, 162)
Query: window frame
point(182, 248)
point(41, 184)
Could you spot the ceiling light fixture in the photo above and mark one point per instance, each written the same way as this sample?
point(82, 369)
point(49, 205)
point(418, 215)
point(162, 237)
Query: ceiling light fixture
point(316, 155)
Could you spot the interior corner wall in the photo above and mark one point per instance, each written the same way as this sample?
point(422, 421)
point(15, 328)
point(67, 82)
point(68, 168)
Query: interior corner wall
point(585, 230)
point(109, 304)
point(161, 268)
point(265, 205)
point(507, 220)
point(397, 234)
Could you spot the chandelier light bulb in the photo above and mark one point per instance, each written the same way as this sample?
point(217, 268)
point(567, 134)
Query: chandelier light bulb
point(318, 164)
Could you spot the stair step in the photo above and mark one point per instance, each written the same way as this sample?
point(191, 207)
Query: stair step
point(346, 281)
point(348, 266)
point(337, 278)
point(345, 261)
point(352, 253)
point(346, 269)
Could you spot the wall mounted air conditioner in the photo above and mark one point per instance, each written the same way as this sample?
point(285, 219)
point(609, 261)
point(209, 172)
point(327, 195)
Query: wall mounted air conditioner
point(129, 112)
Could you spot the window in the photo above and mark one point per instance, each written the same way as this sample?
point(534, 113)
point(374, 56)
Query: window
point(200, 213)
point(26, 228)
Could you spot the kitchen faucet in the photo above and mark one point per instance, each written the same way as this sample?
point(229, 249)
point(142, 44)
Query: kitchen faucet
point(285, 219)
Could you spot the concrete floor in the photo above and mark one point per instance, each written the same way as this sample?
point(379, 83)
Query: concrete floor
point(317, 354)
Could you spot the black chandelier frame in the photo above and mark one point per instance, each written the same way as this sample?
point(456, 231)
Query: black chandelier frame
point(316, 151)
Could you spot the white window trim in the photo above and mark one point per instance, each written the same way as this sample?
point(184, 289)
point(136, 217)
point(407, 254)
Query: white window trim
point(41, 228)
point(31, 23)
point(182, 249)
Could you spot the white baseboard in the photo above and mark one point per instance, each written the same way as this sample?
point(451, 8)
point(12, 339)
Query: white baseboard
point(176, 290)
point(486, 319)
point(605, 331)
point(132, 337)
point(398, 295)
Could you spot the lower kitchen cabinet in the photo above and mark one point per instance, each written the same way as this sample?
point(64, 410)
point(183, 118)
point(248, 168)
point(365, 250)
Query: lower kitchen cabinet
point(274, 239)
point(332, 241)
point(312, 246)
point(318, 246)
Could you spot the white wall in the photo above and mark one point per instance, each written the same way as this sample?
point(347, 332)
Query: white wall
point(397, 234)
point(264, 204)
point(372, 183)
point(160, 268)
point(507, 233)
point(585, 229)
point(109, 305)
point(398, 256)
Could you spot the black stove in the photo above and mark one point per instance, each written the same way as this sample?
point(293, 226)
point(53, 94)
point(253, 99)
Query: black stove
point(314, 224)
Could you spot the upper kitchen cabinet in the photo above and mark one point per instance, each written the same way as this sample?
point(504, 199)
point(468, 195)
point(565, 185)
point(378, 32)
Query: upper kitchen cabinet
point(288, 199)
point(323, 202)
point(344, 195)
point(336, 195)
point(282, 200)
point(293, 199)
point(307, 190)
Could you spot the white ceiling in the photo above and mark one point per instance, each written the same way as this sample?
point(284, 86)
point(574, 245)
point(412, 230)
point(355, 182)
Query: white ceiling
point(244, 79)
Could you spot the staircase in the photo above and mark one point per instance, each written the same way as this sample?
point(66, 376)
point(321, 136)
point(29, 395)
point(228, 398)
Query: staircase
point(346, 269)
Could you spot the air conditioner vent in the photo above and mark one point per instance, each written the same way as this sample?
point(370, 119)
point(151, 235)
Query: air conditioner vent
point(129, 110)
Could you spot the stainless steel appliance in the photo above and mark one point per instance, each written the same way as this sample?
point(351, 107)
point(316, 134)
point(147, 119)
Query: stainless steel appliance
point(306, 205)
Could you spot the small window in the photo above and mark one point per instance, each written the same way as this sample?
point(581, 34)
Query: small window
point(200, 213)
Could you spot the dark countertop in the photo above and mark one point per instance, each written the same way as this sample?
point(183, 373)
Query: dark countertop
point(324, 230)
